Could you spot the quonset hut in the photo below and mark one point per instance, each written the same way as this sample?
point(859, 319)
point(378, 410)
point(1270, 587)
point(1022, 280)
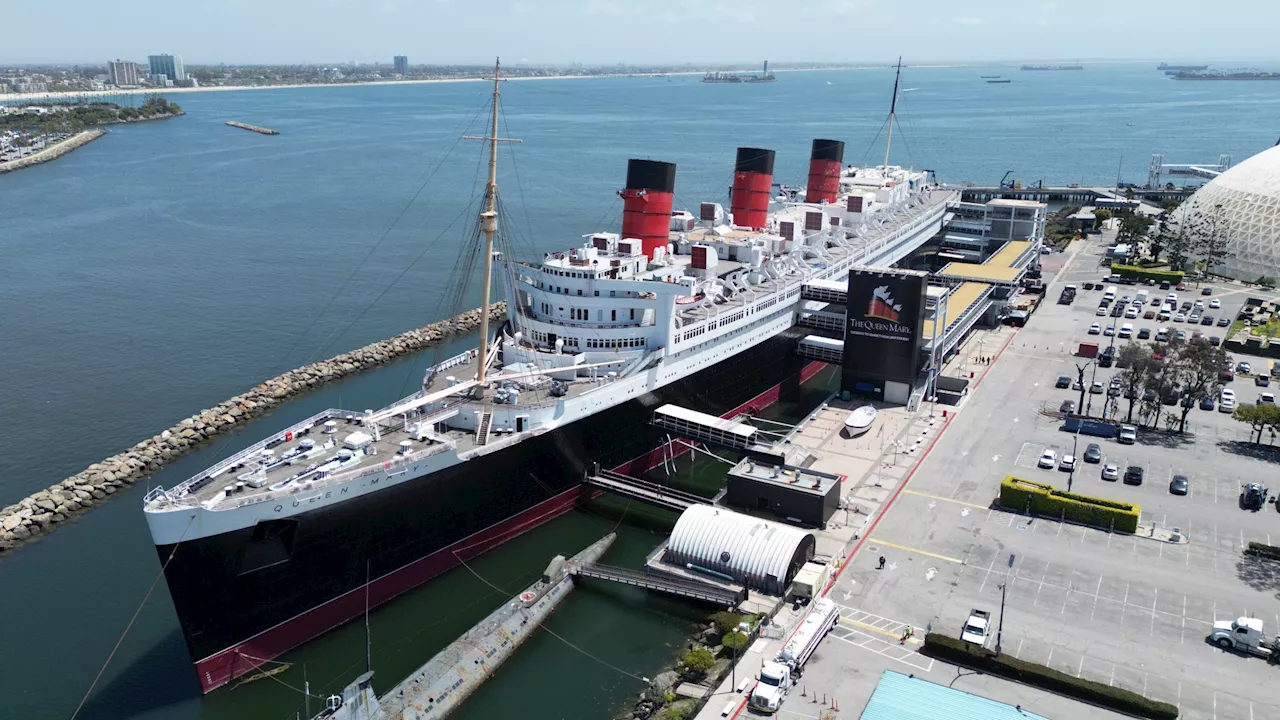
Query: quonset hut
point(759, 554)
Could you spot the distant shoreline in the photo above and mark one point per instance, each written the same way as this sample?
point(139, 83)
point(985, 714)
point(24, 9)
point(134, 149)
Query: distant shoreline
point(56, 96)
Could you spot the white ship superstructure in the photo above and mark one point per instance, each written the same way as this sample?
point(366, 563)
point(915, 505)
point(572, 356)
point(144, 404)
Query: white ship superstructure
point(587, 329)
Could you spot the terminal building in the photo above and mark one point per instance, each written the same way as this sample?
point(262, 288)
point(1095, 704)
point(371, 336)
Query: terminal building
point(991, 247)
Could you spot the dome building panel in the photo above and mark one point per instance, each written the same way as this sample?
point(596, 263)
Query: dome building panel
point(1246, 200)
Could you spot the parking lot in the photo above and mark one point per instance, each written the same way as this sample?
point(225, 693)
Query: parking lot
point(1131, 611)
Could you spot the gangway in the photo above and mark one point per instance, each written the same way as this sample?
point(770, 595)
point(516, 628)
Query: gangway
point(689, 589)
point(643, 490)
point(828, 291)
point(823, 319)
point(747, 439)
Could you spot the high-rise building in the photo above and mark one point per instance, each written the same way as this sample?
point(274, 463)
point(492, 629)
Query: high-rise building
point(168, 65)
point(402, 64)
point(122, 73)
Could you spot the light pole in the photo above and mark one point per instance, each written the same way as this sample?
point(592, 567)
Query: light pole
point(1000, 627)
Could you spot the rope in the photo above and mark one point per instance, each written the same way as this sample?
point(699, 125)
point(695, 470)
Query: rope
point(133, 619)
point(553, 634)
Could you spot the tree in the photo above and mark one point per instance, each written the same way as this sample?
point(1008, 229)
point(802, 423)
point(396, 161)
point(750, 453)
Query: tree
point(1197, 368)
point(1172, 238)
point(1159, 379)
point(1080, 381)
point(1209, 237)
point(1132, 228)
point(1101, 216)
point(734, 640)
point(1258, 418)
point(1134, 358)
point(695, 663)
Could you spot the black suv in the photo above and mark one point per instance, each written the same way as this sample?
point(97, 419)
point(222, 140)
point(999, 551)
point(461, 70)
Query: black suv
point(1133, 475)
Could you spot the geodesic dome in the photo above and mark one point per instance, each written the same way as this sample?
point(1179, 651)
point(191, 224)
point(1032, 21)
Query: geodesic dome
point(1249, 199)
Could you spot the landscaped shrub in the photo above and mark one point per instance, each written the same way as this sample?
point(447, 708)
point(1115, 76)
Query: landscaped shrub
point(695, 663)
point(1041, 499)
point(1269, 552)
point(1133, 271)
point(949, 649)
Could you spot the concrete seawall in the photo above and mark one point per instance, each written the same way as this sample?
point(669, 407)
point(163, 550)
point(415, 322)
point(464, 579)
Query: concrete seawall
point(78, 140)
point(41, 512)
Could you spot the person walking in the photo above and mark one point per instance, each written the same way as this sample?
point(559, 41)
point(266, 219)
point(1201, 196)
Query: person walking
point(881, 563)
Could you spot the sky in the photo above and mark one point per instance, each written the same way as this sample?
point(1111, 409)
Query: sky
point(638, 31)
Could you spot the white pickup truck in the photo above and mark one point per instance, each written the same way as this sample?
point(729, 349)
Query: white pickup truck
point(977, 628)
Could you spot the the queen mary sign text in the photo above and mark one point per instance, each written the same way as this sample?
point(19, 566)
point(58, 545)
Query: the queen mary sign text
point(882, 337)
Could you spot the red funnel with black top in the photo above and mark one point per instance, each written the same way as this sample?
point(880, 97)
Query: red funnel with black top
point(825, 161)
point(646, 210)
point(752, 187)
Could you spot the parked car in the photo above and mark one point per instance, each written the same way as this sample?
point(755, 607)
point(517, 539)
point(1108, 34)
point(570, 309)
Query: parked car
point(1133, 475)
point(1206, 290)
point(1266, 398)
point(1223, 321)
point(1262, 380)
point(1111, 330)
point(1113, 390)
point(1131, 313)
point(1067, 406)
point(1102, 311)
point(1180, 317)
point(1194, 318)
point(1048, 459)
point(1181, 335)
point(1162, 335)
point(1068, 463)
point(1063, 382)
point(1144, 334)
point(1214, 340)
point(1094, 329)
point(1093, 453)
point(1149, 315)
point(1096, 388)
point(1179, 485)
point(1155, 302)
point(1206, 403)
point(1110, 471)
point(1243, 368)
point(1206, 320)
point(1215, 303)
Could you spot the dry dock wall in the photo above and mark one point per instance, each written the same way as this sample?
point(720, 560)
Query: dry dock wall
point(43, 511)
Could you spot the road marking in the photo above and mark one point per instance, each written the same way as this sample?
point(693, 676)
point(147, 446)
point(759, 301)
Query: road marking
point(872, 628)
point(946, 499)
point(917, 551)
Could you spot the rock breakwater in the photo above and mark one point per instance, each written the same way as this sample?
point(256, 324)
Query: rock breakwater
point(53, 153)
point(41, 512)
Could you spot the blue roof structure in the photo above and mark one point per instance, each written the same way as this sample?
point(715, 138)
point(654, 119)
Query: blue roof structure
point(899, 697)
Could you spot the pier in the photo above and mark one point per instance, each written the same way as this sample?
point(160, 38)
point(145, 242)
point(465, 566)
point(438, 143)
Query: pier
point(254, 128)
point(688, 589)
point(643, 490)
point(1070, 195)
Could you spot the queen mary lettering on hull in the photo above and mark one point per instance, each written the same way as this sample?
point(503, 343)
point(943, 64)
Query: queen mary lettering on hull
point(272, 546)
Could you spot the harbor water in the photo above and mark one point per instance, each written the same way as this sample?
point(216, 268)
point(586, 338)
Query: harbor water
point(173, 264)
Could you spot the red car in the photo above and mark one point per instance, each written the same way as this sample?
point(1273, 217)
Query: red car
point(1182, 286)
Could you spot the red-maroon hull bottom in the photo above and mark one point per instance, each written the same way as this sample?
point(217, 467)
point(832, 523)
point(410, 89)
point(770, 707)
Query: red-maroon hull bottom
point(223, 667)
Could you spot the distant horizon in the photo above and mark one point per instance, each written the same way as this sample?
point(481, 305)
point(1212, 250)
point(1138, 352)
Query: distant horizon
point(781, 64)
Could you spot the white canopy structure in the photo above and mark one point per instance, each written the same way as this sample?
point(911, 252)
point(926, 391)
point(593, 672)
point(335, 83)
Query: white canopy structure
point(760, 554)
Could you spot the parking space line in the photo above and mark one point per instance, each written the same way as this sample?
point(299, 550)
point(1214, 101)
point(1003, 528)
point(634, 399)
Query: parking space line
point(1155, 595)
point(917, 551)
point(947, 499)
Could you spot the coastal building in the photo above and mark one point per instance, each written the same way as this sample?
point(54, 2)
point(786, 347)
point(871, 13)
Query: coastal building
point(402, 64)
point(122, 73)
point(168, 65)
point(1244, 204)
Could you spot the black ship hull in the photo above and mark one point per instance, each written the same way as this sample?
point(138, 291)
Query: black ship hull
point(246, 596)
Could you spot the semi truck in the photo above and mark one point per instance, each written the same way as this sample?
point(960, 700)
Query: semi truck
point(1245, 634)
point(778, 676)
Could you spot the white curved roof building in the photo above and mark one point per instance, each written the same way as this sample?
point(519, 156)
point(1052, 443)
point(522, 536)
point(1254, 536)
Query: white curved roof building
point(1248, 198)
point(759, 554)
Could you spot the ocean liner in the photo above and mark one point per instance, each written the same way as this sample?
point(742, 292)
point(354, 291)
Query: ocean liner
point(305, 529)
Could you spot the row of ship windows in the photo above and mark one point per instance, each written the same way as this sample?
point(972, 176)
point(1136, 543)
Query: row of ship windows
point(585, 314)
point(593, 343)
point(565, 291)
point(695, 332)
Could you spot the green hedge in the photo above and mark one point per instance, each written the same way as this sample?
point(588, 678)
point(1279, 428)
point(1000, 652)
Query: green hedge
point(954, 650)
point(1141, 273)
point(1042, 499)
point(1269, 552)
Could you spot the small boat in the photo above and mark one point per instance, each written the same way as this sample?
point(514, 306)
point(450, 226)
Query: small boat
point(1003, 81)
point(860, 420)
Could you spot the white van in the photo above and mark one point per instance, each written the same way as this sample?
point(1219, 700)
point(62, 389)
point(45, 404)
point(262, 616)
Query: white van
point(1110, 294)
point(1126, 330)
point(1142, 297)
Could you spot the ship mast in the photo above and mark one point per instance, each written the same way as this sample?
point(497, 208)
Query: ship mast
point(489, 223)
point(893, 106)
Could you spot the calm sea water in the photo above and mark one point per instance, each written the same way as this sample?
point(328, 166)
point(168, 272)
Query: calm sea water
point(173, 264)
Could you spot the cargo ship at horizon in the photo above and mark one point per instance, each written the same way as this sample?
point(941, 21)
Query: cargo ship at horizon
point(1077, 66)
point(307, 528)
point(716, 76)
